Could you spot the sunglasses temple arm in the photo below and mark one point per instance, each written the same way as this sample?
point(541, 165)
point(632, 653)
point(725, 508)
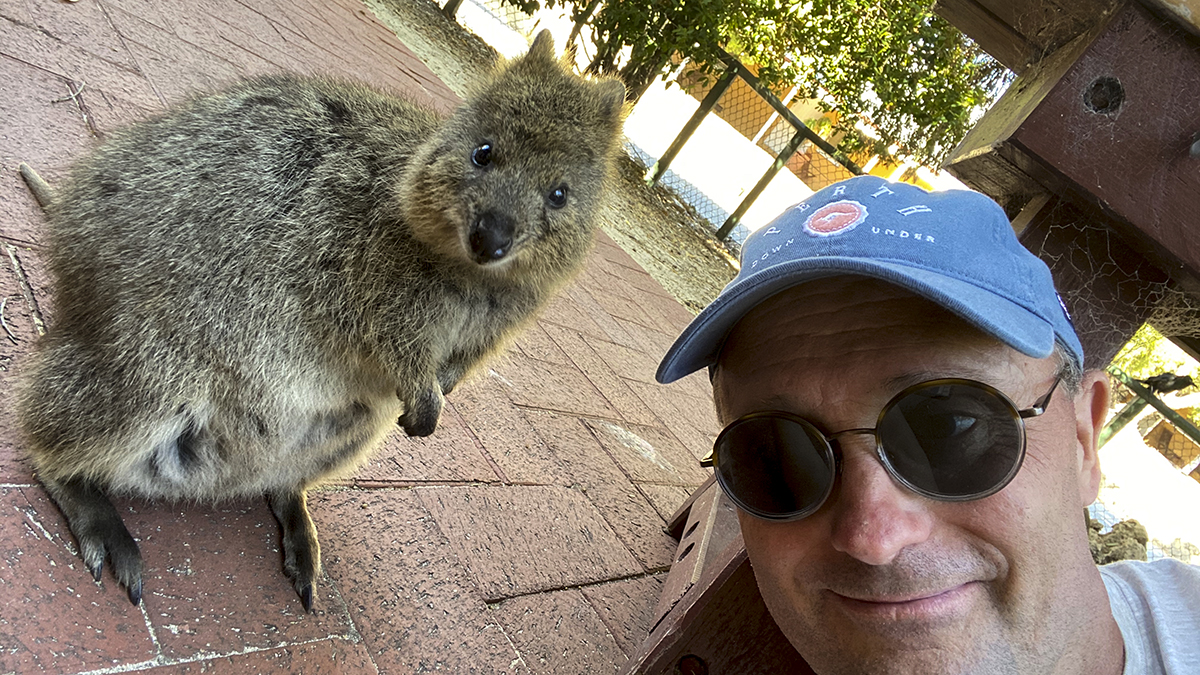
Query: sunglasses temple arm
point(707, 460)
point(1039, 406)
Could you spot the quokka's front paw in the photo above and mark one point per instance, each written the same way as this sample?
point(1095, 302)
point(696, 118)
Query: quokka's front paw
point(421, 418)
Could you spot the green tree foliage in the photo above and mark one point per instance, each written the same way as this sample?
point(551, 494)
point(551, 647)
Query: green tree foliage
point(1148, 353)
point(913, 76)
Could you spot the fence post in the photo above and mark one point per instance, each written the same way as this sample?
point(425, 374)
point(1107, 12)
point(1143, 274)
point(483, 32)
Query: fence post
point(787, 114)
point(780, 161)
point(710, 101)
point(451, 8)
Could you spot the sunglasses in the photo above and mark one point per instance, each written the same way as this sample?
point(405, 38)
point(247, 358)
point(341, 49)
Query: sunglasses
point(947, 439)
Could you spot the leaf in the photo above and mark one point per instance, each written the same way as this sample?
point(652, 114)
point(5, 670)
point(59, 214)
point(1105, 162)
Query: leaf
point(917, 80)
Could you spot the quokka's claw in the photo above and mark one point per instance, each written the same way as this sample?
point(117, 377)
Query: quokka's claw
point(306, 598)
point(97, 570)
point(135, 592)
point(301, 552)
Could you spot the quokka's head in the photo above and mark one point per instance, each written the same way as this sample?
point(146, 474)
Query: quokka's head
point(511, 183)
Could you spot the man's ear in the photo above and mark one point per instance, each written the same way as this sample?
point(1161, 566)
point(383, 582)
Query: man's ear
point(1091, 409)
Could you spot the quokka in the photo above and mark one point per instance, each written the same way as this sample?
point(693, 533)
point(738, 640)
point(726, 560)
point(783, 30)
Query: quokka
point(251, 288)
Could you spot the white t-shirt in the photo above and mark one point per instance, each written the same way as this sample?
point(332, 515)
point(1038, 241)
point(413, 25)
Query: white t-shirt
point(1157, 606)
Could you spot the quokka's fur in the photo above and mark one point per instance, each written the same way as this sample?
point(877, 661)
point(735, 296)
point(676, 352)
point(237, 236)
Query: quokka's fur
point(250, 288)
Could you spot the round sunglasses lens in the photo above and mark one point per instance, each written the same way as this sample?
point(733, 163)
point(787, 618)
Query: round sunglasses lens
point(953, 441)
point(774, 467)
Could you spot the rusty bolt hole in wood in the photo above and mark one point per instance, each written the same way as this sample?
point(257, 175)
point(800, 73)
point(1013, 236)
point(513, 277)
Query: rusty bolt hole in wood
point(686, 551)
point(1104, 95)
point(691, 665)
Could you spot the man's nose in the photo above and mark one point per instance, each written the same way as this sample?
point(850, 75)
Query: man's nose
point(874, 517)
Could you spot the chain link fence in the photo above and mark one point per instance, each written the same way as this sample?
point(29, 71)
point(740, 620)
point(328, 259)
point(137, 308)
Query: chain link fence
point(777, 151)
point(1176, 447)
point(1149, 457)
point(503, 25)
point(518, 17)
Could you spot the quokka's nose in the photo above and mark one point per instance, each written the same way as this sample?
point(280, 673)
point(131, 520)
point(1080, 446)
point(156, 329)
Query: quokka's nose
point(491, 237)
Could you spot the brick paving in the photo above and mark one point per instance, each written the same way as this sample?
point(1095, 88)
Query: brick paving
point(525, 536)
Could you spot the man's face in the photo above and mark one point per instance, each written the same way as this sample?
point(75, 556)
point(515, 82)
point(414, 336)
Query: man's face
point(881, 579)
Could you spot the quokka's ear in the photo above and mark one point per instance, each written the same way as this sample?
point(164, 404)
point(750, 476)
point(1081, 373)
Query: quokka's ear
point(543, 47)
point(611, 94)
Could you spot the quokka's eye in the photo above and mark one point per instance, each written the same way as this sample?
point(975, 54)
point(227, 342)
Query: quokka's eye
point(481, 156)
point(557, 197)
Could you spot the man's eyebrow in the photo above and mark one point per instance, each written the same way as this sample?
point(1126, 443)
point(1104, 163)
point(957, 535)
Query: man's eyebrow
point(894, 384)
point(904, 380)
point(774, 402)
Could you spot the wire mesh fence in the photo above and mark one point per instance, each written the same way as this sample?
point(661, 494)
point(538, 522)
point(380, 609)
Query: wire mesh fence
point(519, 17)
point(777, 150)
point(503, 25)
point(1181, 451)
point(1149, 463)
point(1156, 549)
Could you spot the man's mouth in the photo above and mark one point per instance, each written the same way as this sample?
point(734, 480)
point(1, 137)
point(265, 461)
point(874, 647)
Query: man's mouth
point(923, 605)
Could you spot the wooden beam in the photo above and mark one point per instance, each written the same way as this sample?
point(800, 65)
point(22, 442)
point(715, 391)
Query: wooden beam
point(1189, 345)
point(1118, 127)
point(1185, 12)
point(1109, 120)
point(1019, 33)
point(987, 160)
point(1050, 24)
point(1109, 289)
point(992, 34)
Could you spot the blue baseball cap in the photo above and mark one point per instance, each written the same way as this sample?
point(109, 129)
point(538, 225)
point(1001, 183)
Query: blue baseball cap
point(955, 248)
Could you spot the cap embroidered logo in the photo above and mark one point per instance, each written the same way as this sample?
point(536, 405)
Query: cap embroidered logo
point(835, 218)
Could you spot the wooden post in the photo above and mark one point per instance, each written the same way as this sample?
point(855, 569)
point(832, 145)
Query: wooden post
point(451, 8)
point(1107, 287)
point(1107, 120)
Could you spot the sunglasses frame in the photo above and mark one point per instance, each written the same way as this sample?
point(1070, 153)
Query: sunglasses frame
point(834, 456)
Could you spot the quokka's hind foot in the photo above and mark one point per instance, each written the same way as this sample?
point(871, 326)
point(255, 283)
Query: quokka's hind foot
point(301, 552)
point(99, 531)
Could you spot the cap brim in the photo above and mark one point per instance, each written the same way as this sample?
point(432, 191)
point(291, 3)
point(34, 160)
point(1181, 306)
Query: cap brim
point(700, 343)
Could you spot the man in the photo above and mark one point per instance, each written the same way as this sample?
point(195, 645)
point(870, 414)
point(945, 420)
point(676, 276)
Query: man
point(910, 441)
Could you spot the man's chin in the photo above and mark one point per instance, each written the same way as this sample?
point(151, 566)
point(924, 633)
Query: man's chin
point(934, 661)
point(930, 633)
